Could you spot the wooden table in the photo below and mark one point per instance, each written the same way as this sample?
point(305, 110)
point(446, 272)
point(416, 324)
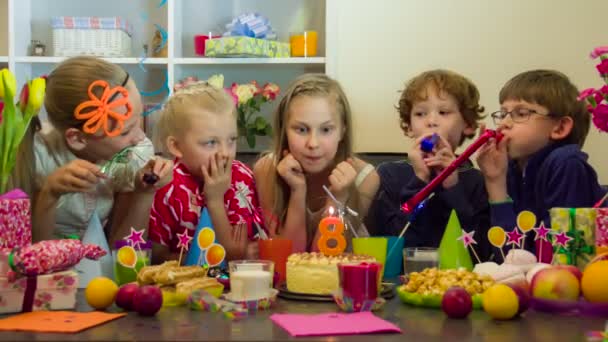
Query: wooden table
point(173, 324)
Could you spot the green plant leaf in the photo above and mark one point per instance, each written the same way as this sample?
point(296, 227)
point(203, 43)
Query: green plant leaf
point(268, 130)
point(250, 138)
point(260, 123)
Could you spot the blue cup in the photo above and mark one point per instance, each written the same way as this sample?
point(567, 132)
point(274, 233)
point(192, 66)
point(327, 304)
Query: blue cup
point(394, 257)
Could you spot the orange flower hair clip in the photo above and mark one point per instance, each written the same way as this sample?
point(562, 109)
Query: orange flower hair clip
point(100, 110)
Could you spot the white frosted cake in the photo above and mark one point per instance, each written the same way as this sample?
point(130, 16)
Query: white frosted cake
point(315, 273)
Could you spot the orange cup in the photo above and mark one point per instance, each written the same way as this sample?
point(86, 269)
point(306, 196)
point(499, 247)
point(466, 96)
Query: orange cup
point(276, 250)
point(303, 44)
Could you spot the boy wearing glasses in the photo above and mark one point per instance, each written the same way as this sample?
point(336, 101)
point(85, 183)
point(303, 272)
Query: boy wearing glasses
point(444, 105)
point(538, 164)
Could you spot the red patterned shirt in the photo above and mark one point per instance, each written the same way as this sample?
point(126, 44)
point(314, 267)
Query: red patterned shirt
point(177, 206)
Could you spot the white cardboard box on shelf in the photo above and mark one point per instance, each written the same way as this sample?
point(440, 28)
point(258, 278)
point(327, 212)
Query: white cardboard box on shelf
point(104, 37)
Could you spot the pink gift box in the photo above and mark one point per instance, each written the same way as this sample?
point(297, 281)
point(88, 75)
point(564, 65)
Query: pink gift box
point(4, 267)
point(601, 230)
point(15, 220)
point(56, 291)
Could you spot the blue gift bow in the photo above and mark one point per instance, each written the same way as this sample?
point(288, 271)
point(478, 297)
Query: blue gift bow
point(251, 25)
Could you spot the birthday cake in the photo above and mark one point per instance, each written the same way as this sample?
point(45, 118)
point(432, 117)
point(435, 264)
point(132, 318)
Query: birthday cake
point(315, 273)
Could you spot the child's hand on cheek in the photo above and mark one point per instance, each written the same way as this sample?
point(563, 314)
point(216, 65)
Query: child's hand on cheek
point(416, 157)
point(291, 171)
point(157, 173)
point(441, 159)
point(341, 179)
point(77, 176)
point(217, 177)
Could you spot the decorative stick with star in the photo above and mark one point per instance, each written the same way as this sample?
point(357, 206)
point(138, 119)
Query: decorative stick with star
point(468, 241)
point(561, 240)
point(183, 242)
point(541, 234)
point(514, 237)
point(136, 238)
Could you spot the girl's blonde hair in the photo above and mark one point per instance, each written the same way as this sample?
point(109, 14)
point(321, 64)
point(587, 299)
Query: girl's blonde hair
point(313, 85)
point(66, 87)
point(175, 115)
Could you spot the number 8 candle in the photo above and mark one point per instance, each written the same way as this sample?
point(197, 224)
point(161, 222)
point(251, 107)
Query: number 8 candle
point(336, 234)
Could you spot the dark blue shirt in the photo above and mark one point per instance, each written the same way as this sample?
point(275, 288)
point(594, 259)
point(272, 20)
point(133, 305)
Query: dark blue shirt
point(556, 176)
point(398, 183)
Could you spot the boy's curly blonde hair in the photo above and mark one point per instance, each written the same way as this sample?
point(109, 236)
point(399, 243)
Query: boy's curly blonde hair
point(460, 87)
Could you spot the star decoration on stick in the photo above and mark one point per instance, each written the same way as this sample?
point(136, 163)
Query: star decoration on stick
point(467, 238)
point(514, 237)
point(541, 232)
point(183, 240)
point(562, 239)
point(136, 237)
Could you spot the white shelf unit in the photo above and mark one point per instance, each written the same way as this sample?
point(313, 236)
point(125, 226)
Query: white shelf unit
point(183, 19)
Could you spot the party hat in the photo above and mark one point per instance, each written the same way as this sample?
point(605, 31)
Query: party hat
point(452, 252)
point(204, 249)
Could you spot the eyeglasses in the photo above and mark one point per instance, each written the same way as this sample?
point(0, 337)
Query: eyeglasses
point(518, 115)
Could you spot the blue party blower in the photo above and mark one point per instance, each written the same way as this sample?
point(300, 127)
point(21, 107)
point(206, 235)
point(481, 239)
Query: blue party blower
point(428, 144)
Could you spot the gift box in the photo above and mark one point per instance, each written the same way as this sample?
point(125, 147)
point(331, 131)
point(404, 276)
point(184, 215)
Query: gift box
point(56, 291)
point(242, 46)
point(601, 230)
point(579, 224)
point(15, 220)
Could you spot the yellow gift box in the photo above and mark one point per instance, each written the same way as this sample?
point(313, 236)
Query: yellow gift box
point(579, 224)
point(241, 46)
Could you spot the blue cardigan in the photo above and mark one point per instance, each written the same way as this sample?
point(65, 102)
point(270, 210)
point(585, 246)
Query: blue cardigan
point(398, 183)
point(556, 176)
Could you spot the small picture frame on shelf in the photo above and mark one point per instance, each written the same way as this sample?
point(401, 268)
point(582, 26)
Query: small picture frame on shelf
point(37, 48)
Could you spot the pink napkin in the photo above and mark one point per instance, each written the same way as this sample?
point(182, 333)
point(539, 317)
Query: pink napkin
point(333, 324)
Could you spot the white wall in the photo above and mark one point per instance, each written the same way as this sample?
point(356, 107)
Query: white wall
point(4, 28)
point(487, 41)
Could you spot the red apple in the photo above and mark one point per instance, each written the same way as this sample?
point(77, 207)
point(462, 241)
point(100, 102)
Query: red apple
point(148, 300)
point(124, 297)
point(556, 283)
point(577, 273)
point(524, 298)
point(456, 302)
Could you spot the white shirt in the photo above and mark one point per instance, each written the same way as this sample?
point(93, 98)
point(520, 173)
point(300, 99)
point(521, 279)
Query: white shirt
point(74, 210)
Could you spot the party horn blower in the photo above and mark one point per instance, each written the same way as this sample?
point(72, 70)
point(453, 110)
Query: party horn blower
point(411, 204)
point(452, 253)
point(409, 222)
point(526, 220)
point(497, 238)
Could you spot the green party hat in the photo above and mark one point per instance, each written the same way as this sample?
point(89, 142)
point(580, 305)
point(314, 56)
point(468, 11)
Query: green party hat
point(452, 252)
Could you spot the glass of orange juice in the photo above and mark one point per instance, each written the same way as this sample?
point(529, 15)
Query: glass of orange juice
point(303, 44)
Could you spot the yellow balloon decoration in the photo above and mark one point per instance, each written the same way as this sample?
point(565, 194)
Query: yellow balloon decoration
point(526, 220)
point(497, 236)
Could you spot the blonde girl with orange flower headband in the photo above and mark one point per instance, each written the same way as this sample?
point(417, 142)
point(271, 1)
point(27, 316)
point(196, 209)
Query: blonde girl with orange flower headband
point(95, 111)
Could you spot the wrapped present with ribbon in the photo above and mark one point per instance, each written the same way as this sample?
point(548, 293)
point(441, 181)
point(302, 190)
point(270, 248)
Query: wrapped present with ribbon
point(50, 256)
point(241, 46)
point(601, 231)
point(15, 220)
point(55, 291)
point(252, 25)
point(579, 227)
